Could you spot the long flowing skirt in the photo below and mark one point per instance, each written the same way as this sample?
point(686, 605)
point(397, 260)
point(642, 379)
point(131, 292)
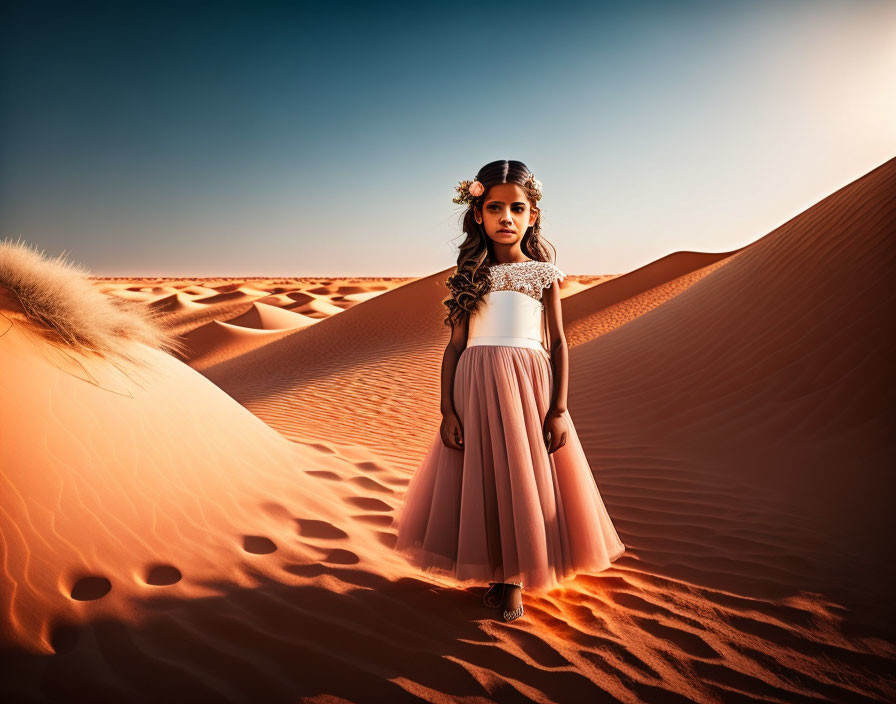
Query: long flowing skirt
point(503, 509)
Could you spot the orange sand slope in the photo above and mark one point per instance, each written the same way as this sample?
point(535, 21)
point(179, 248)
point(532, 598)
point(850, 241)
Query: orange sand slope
point(734, 409)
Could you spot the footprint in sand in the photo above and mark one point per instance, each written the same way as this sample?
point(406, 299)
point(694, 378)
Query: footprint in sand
point(323, 474)
point(373, 485)
point(387, 539)
point(320, 448)
point(162, 575)
point(258, 544)
point(341, 557)
point(368, 466)
point(91, 588)
point(368, 503)
point(310, 528)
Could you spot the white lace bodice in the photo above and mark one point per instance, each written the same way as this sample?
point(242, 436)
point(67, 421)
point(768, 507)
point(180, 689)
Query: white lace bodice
point(530, 278)
point(510, 312)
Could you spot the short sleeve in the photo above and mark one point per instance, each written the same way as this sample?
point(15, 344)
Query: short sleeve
point(551, 273)
point(559, 275)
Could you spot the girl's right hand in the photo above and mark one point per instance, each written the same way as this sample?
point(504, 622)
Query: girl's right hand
point(452, 432)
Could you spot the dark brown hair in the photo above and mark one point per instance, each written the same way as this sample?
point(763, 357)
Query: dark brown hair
point(470, 280)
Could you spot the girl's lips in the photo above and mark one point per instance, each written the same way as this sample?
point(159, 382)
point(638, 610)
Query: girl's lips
point(510, 232)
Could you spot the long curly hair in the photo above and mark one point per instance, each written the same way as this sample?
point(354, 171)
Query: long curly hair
point(469, 282)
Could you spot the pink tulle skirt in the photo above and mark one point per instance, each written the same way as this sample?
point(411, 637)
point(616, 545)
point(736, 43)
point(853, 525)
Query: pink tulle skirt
point(503, 509)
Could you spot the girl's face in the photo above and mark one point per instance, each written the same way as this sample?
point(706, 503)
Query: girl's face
point(506, 213)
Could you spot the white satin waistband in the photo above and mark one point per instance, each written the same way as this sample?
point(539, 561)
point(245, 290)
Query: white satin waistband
point(506, 341)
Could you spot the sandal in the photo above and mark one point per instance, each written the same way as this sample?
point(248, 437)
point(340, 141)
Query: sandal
point(490, 597)
point(514, 614)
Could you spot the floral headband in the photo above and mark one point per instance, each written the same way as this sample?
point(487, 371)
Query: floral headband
point(469, 191)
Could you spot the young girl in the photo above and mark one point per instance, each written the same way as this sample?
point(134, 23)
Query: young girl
point(505, 491)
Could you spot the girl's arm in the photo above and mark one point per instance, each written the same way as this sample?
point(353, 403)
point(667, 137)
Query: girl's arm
point(455, 346)
point(559, 349)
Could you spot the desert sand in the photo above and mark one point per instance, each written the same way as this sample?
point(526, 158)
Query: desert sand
point(215, 526)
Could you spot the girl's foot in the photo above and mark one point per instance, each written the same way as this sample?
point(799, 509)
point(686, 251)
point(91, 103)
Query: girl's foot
point(512, 603)
point(494, 595)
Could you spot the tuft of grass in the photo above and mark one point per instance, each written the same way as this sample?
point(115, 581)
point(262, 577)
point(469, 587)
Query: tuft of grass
point(61, 303)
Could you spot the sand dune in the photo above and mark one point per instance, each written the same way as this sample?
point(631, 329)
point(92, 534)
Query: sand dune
point(216, 342)
point(174, 303)
point(159, 539)
point(152, 474)
point(226, 297)
point(197, 291)
point(614, 303)
point(381, 357)
point(317, 307)
point(262, 316)
point(299, 297)
point(281, 300)
point(208, 317)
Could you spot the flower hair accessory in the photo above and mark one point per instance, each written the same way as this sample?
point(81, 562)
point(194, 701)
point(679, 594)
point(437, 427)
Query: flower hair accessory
point(534, 185)
point(469, 191)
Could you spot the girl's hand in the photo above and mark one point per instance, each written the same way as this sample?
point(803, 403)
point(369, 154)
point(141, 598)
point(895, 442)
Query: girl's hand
point(452, 432)
point(555, 431)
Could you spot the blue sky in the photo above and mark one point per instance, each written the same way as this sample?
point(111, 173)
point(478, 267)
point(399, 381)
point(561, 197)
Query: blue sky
point(274, 139)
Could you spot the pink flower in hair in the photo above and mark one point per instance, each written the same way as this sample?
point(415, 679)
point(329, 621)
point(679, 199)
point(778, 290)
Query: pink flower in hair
point(476, 189)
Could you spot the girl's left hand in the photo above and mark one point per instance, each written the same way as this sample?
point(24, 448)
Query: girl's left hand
point(555, 431)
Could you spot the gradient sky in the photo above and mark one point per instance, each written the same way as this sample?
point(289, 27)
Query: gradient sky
point(261, 139)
